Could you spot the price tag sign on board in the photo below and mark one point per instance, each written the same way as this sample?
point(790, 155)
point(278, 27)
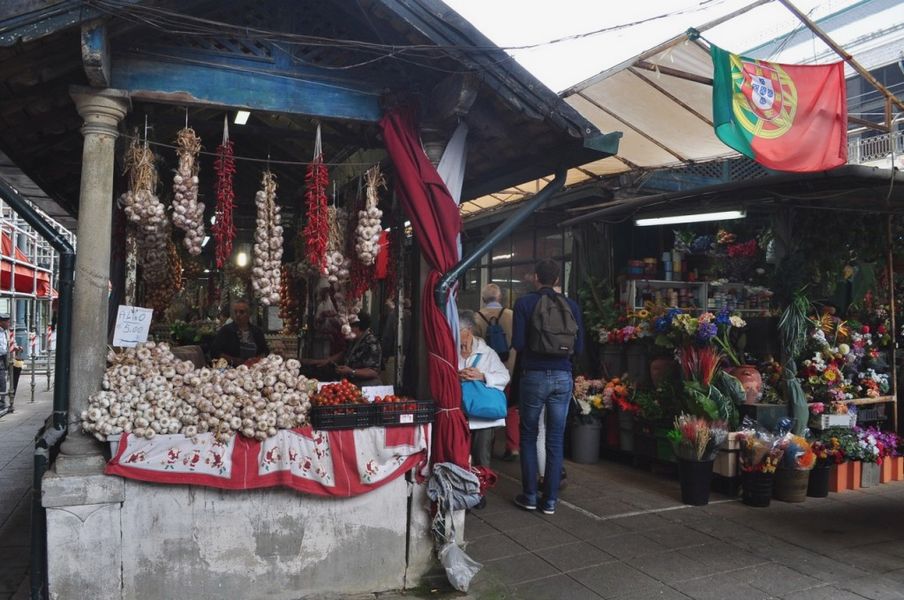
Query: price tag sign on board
point(372, 391)
point(132, 325)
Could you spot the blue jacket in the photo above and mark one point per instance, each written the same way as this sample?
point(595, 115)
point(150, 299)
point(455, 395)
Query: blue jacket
point(532, 361)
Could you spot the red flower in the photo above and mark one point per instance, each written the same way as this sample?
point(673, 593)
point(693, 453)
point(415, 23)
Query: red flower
point(865, 329)
point(881, 329)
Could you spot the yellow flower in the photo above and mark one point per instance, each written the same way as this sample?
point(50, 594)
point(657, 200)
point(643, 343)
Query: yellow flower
point(643, 314)
point(830, 375)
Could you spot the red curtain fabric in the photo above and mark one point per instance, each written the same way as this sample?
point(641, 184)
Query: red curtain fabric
point(436, 223)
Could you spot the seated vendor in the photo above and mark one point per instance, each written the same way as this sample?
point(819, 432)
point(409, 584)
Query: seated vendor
point(239, 341)
point(360, 361)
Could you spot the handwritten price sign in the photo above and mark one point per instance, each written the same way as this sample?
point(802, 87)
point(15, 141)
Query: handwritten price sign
point(132, 325)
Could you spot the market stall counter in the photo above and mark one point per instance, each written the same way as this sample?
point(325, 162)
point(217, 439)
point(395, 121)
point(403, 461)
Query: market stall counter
point(243, 482)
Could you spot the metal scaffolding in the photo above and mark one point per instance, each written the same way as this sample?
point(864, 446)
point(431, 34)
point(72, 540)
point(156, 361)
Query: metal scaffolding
point(29, 268)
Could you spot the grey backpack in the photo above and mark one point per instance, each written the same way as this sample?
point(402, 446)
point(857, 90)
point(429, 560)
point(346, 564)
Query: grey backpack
point(553, 328)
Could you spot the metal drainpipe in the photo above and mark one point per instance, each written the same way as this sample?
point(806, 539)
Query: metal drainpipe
point(444, 286)
point(48, 439)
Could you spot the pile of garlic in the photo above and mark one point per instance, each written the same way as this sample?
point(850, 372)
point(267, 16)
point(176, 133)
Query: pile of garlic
point(268, 243)
point(367, 234)
point(188, 213)
point(147, 391)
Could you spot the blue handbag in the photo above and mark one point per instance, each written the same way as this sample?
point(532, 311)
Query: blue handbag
point(481, 401)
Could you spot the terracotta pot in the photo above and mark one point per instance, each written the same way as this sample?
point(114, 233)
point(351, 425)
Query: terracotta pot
point(888, 470)
point(662, 369)
point(752, 381)
point(838, 478)
point(855, 474)
point(898, 470)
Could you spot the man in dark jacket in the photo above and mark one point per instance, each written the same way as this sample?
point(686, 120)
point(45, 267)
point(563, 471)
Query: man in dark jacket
point(239, 341)
point(546, 381)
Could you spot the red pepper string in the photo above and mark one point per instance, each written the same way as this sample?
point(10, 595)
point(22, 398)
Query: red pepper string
point(224, 229)
point(316, 230)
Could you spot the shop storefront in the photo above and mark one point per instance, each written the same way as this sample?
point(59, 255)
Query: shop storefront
point(766, 307)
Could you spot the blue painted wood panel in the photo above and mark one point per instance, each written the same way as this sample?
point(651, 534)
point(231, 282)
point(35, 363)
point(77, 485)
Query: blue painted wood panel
point(232, 87)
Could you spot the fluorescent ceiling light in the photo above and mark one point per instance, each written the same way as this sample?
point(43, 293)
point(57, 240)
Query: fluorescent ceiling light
point(207, 270)
point(205, 240)
point(725, 215)
point(241, 117)
point(502, 256)
point(241, 259)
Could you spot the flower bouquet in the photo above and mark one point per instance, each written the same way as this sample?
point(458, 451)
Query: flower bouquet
point(588, 395)
point(695, 438)
point(759, 455)
point(695, 442)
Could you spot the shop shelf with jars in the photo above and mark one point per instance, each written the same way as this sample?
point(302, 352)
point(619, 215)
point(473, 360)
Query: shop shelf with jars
point(741, 298)
point(687, 295)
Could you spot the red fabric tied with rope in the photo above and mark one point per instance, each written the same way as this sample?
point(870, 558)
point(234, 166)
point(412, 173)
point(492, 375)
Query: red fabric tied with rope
point(436, 223)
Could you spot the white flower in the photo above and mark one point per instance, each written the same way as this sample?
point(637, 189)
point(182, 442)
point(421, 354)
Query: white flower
point(585, 406)
point(737, 321)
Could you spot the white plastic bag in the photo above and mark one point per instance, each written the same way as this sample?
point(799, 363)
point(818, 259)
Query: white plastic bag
point(460, 568)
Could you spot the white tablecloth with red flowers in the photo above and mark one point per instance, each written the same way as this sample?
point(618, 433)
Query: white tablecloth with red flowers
point(340, 463)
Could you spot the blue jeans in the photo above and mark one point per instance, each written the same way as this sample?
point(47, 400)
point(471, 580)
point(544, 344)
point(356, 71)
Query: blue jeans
point(551, 389)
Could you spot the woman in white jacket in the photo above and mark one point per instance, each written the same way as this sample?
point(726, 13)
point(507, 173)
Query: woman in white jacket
point(478, 362)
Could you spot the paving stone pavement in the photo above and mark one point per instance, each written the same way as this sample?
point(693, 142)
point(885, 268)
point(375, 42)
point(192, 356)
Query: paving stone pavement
point(17, 433)
point(619, 533)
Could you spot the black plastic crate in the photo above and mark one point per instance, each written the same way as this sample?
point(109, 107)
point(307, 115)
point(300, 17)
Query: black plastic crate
point(345, 416)
point(411, 412)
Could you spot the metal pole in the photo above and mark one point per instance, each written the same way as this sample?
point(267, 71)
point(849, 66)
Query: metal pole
point(400, 309)
point(444, 286)
point(889, 97)
point(33, 369)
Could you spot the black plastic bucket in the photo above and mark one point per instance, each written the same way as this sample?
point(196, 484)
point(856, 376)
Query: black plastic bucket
point(818, 486)
point(756, 488)
point(695, 477)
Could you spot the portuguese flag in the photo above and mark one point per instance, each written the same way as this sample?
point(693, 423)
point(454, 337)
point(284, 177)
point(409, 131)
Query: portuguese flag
point(785, 117)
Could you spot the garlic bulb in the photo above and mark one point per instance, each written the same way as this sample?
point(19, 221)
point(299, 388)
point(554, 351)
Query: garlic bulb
point(345, 310)
point(268, 243)
point(148, 391)
point(188, 213)
point(367, 234)
point(145, 211)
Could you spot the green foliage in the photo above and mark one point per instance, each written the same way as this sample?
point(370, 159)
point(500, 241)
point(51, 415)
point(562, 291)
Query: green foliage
point(733, 395)
point(818, 244)
point(650, 408)
point(597, 304)
point(698, 400)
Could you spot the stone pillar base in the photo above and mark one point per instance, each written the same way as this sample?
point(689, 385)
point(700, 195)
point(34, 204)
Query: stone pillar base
point(84, 535)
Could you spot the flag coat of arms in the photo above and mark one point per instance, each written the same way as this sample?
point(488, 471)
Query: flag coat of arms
point(785, 117)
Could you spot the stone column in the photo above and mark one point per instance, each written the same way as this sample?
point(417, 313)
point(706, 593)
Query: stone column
point(102, 111)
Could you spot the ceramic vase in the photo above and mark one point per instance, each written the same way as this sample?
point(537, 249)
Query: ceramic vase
point(752, 381)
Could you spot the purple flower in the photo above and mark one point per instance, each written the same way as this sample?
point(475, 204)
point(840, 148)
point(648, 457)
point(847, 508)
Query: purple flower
point(706, 331)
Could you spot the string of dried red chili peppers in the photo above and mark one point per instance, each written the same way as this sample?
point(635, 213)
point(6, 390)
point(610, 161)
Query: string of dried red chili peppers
point(223, 228)
point(317, 229)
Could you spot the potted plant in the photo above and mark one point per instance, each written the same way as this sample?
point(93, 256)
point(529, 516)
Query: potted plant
point(828, 453)
point(759, 455)
point(585, 432)
point(871, 455)
point(749, 375)
point(618, 394)
point(695, 442)
point(793, 473)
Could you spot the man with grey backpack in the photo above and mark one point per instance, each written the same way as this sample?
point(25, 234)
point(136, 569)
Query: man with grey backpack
point(547, 331)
